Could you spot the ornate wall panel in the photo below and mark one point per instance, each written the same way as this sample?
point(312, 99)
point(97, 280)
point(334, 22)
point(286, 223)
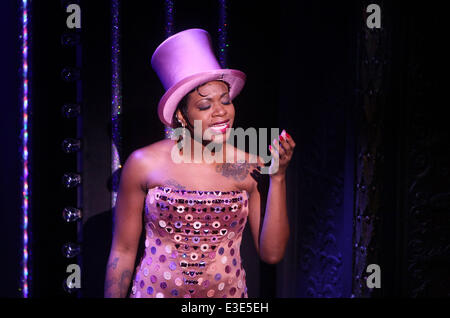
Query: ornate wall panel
point(427, 157)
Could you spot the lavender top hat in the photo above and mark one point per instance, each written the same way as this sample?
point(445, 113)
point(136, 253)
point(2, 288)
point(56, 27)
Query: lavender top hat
point(184, 61)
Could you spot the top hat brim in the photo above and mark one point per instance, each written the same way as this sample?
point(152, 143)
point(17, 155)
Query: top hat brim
point(169, 102)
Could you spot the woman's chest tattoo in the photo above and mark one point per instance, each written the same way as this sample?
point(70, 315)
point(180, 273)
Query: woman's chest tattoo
point(237, 171)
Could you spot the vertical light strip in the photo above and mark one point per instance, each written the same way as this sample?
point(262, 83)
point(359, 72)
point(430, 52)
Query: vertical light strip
point(116, 99)
point(169, 17)
point(25, 146)
point(223, 33)
point(169, 31)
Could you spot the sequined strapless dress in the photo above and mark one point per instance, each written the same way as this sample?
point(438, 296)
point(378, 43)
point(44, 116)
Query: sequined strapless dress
point(192, 244)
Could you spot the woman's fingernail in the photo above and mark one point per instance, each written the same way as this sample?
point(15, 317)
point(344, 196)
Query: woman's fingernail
point(289, 136)
point(281, 138)
point(270, 147)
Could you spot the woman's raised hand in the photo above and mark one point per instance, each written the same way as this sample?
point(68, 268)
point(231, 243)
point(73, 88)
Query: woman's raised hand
point(282, 151)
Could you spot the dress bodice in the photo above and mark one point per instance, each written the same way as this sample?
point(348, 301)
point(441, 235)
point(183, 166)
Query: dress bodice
point(192, 244)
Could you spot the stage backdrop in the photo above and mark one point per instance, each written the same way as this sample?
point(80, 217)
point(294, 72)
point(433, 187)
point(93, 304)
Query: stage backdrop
point(301, 77)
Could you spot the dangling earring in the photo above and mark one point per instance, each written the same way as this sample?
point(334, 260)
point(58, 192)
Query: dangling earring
point(183, 135)
point(184, 131)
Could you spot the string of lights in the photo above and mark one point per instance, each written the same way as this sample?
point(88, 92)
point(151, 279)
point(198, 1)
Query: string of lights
point(223, 33)
point(25, 146)
point(168, 131)
point(116, 99)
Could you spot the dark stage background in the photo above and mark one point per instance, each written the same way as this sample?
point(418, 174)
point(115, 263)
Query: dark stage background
point(369, 182)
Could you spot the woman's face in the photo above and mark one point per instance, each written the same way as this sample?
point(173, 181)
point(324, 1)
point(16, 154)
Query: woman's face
point(213, 107)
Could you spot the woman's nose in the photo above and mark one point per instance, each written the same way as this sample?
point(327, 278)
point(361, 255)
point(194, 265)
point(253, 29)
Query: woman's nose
point(219, 109)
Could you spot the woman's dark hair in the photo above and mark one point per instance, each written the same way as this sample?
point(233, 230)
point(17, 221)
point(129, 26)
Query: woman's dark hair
point(182, 105)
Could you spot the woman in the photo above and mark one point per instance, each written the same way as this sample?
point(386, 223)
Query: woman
point(195, 212)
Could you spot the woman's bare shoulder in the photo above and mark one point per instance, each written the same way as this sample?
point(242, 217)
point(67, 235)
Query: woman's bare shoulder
point(155, 150)
point(150, 156)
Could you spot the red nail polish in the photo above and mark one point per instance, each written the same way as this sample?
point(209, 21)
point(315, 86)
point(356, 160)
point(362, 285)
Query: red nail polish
point(289, 136)
point(281, 138)
point(270, 147)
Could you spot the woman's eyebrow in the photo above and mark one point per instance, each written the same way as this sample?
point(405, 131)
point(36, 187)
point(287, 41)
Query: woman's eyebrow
point(209, 98)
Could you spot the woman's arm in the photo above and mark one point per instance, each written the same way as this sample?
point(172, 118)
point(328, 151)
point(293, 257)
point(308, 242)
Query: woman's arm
point(272, 234)
point(127, 227)
point(275, 227)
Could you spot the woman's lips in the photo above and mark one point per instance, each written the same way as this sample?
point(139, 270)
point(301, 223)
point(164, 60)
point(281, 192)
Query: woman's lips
point(221, 127)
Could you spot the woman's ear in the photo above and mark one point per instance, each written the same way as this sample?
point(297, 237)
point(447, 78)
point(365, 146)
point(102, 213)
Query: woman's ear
point(179, 118)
